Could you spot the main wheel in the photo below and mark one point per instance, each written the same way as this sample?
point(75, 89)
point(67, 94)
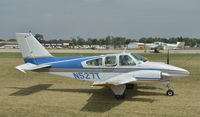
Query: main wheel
point(118, 97)
point(170, 92)
point(129, 86)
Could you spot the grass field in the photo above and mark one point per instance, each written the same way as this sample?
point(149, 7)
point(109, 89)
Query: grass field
point(35, 94)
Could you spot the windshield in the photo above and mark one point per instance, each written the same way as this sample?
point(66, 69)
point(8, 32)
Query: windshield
point(139, 57)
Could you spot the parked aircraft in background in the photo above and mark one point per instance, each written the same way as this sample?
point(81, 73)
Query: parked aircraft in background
point(158, 45)
point(117, 71)
point(179, 45)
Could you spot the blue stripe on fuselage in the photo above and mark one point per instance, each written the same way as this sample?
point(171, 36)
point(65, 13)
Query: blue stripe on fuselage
point(59, 62)
point(75, 62)
point(42, 60)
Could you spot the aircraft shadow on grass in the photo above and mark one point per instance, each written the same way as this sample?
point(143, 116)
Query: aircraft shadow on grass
point(101, 100)
point(30, 90)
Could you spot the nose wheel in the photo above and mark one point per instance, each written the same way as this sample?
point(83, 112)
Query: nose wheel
point(169, 92)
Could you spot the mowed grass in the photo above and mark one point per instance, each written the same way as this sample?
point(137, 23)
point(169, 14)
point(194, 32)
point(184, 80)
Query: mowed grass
point(37, 94)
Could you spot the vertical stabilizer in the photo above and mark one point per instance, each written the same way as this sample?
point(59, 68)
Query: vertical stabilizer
point(30, 47)
point(180, 44)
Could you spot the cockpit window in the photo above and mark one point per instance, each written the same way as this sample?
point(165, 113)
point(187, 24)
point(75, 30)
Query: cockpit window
point(125, 60)
point(95, 62)
point(139, 57)
point(110, 61)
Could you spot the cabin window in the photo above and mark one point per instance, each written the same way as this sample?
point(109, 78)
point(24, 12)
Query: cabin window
point(110, 61)
point(139, 57)
point(95, 62)
point(125, 60)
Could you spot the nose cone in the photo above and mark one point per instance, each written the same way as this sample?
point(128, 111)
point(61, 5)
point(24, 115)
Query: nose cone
point(167, 70)
point(178, 72)
point(185, 72)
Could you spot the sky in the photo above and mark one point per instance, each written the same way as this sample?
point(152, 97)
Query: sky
point(99, 18)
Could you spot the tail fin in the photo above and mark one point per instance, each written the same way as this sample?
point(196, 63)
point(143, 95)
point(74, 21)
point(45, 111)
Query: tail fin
point(30, 47)
point(180, 44)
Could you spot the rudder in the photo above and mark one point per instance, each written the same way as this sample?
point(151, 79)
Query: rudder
point(30, 47)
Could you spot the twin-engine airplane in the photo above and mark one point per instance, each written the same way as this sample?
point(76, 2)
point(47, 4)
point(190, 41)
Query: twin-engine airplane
point(117, 71)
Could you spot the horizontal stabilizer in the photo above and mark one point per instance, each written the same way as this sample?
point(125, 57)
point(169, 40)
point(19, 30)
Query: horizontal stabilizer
point(29, 66)
point(117, 80)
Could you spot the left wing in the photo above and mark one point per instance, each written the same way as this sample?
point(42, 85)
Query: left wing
point(117, 80)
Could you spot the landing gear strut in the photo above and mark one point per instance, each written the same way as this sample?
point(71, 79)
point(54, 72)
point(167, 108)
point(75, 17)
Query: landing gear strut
point(119, 91)
point(169, 92)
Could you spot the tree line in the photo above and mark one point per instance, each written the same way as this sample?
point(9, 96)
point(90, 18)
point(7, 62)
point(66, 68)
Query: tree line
point(115, 41)
point(120, 41)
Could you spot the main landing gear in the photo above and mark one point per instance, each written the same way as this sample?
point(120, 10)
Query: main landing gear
point(169, 92)
point(118, 97)
point(119, 91)
point(129, 86)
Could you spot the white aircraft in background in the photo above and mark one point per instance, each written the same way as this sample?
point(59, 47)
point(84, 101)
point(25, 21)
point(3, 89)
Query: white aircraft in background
point(117, 71)
point(165, 46)
point(179, 45)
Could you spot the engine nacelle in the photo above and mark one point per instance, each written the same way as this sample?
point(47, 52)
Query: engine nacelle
point(148, 75)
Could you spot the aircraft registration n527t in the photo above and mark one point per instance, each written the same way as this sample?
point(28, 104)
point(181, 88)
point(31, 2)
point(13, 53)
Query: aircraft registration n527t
point(117, 71)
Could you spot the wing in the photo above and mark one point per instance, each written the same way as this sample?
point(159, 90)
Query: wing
point(117, 80)
point(30, 66)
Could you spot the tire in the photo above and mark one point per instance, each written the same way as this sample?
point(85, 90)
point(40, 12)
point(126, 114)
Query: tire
point(170, 92)
point(129, 86)
point(118, 97)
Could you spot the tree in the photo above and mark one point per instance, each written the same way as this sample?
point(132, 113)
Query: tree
point(74, 42)
point(12, 40)
point(95, 41)
point(39, 37)
point(193, 43)
point(128, 41)
point(102, 41)
point(164, 40)
point(80, 41)
point(89, 42)
point(118, 41)
point(142, 40)
point(108, 40)
point(2, 40)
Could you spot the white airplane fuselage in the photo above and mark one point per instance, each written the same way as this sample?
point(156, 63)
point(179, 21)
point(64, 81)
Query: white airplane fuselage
point(82, 71)
point(114, 70)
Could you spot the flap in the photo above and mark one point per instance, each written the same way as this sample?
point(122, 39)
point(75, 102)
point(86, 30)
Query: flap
point(29, 66)
point(117, 80)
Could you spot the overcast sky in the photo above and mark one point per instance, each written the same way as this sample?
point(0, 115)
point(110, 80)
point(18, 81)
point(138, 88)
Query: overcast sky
point(100, 18)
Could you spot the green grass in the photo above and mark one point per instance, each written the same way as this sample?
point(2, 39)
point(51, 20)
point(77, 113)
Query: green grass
point(35, 94)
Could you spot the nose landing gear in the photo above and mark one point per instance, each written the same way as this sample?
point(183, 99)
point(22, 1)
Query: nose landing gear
point(169, 92)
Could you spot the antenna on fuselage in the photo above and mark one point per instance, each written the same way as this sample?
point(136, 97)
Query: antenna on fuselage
point(168, 56)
